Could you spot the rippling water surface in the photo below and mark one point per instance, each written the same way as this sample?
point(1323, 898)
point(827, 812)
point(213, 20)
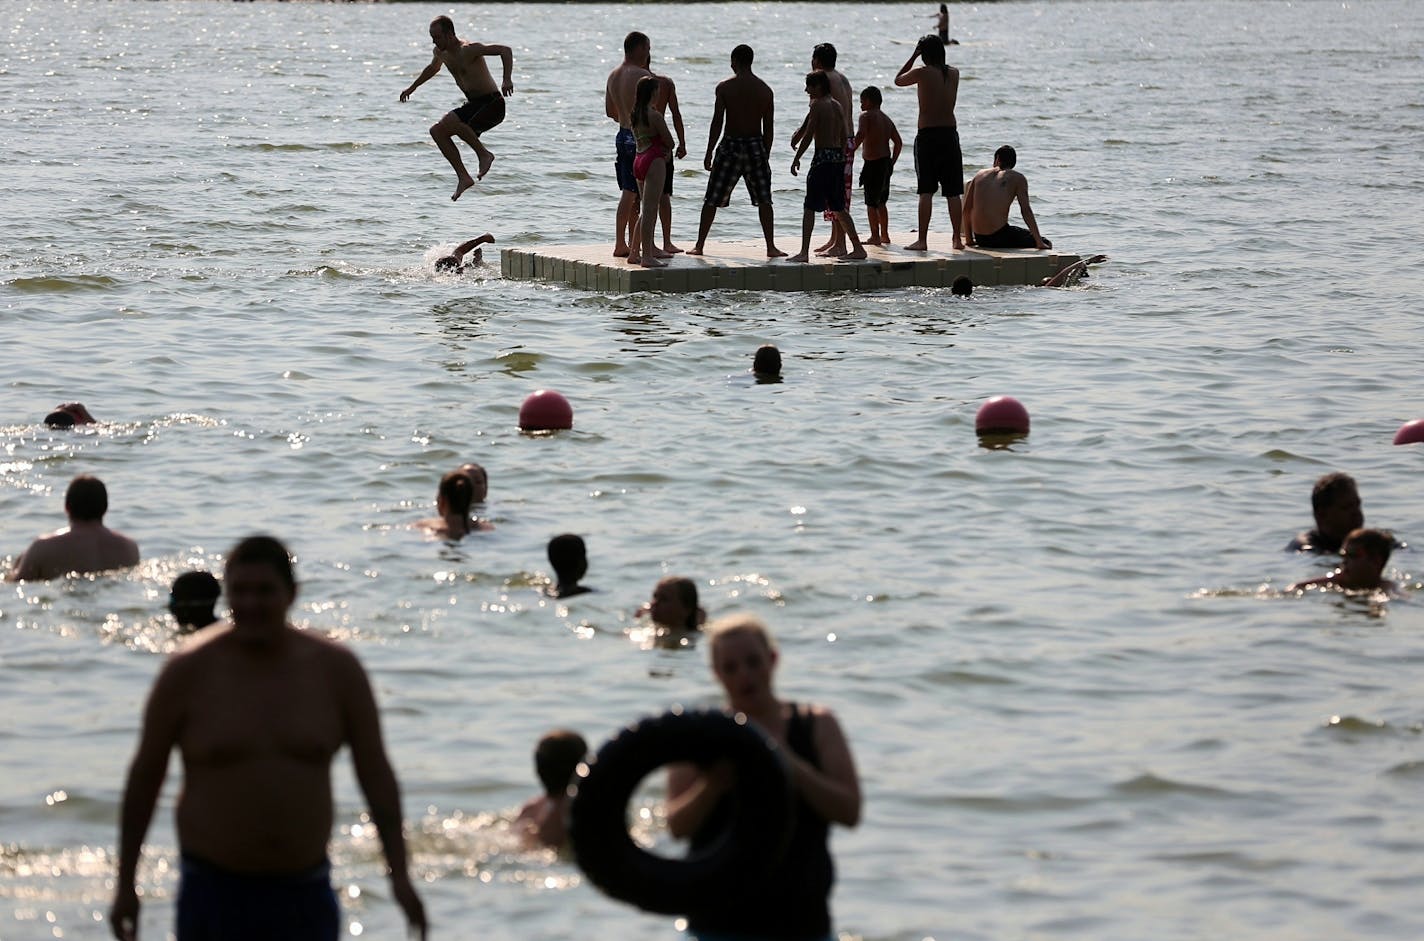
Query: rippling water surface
point(1079, 706)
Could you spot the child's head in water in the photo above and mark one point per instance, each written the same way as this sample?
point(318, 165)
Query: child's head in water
point(192, 599)
point(767, 361)
point(569, 557)
point(962, 286)
point(556, 758)
point(1363, 558)
point(674, 604)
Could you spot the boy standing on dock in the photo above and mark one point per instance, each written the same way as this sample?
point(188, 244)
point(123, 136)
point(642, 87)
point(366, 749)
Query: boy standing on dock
point(876, 133)
point(825, 185)
point(483, 110)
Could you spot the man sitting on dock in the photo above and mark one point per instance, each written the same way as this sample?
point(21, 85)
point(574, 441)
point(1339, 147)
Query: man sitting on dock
point(741, 119)
point(986, 206)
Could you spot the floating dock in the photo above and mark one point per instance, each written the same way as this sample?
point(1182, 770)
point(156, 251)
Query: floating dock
point(743, 266)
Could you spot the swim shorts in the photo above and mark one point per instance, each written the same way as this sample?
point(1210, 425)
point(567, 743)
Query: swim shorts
point(739, 158)
point(825, 184)
point(1010, 236)
point(849, 176)
point(875, 180)
point(217, 905)
point(482, 113)
point(938, 162)
point(627, 148)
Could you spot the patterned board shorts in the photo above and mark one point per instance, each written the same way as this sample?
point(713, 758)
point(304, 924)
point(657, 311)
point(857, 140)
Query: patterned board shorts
point(739, 158)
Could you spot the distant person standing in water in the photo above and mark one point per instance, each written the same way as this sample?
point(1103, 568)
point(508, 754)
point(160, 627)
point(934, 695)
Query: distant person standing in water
point(483, 110)
point(1335, 502)
point(619, 93)
point(986, 206)
point(192, 599)
point(258, 710)
point(741, 134)
point(85, 546)
point(942, 23)
point(939, 164)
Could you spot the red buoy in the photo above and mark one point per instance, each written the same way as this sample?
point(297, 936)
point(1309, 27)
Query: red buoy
point(1001, 415)
point(546, 410)
point(1411, 432)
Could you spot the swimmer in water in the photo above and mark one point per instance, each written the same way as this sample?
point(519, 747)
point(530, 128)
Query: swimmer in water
point(543, 820)
point(766, 365)
point(453, 501)
point(68, 415)
point(84, 547)
point(1335, 501)
point(673, 608)
point(569, 557)
point(1072, 274)
point(1362, 562)
point(455, 263)
point(962, 286)
point(485, 108)
point(192, 599)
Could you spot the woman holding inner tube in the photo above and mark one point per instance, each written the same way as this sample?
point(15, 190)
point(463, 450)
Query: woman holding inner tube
point(794, 903)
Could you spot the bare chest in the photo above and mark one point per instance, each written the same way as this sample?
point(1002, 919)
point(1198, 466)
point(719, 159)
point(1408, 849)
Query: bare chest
point(286, 712)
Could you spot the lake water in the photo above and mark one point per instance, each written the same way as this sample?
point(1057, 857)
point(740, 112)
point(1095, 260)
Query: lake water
point(1079, 706)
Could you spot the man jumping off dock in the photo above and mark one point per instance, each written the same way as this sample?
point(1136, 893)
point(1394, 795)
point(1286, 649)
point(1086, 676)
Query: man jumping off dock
point(485, 108)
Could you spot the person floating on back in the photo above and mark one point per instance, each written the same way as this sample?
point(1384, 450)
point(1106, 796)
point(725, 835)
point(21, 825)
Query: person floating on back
point(569, 557)
point(85, 546)
point(192, 599)
point(1362, 562)
point(483, 110)
point(455, 263)
point(987, 202)
point(543, 820)
point(825, 125)
point(875, 134)
point(1335, 501)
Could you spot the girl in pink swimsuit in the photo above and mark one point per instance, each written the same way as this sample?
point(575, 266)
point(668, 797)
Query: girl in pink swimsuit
point(649, 167)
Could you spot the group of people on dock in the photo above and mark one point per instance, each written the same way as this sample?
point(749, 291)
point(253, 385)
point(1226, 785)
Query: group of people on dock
point(740, 141)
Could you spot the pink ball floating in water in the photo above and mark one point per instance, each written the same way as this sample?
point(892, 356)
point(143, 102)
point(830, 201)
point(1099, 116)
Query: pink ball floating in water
point(1411, 432)
point(1001, 415)
point(546, 410)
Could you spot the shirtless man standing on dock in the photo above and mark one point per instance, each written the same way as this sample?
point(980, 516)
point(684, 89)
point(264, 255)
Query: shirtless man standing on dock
point(987, 202)
point(485, 108)
point(741, 120)
point(258, 710)
point(618, 98)
point(825, 183)
point(938, 161)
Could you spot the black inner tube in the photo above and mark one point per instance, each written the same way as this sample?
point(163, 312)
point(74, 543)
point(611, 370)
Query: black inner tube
point(752, 846)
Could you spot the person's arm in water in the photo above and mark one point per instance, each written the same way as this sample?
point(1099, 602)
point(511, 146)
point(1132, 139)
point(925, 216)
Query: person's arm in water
point(162, 720)
point(832, 790)
point(1028, 218)
point(714, 132)
point(676, 119)
point(693, 793)
point(426, 75)
point(377, 780)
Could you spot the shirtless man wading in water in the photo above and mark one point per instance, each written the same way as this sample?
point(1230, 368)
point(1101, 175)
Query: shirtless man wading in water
point(485, 108)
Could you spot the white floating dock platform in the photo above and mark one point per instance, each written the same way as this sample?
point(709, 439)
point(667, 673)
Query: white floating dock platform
point(743, 266)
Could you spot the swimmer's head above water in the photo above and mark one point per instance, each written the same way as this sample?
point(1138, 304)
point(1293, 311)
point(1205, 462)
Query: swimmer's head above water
point(962, 286)
point(767, 362)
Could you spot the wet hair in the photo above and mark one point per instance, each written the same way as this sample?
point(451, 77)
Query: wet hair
point(818, 81)
point(687, 594)
point(932, 52)
point(944, 9)
point(87, 498)
point(447, 263)
point(825, 54)
point(1006, 157)
point(647, 88)
point(767, 361)
point(446, 24)
point(192, 597)
point(263, 550)
point(556, 758)
point(739, 624)
point(458, 492)
point(871, 93)
point(1376, 542)
point(479, 479)
point(633, 41)
point(59, 419)
point(742, 55)
point(962, 286)
point(569, 557)
point(1330, 488)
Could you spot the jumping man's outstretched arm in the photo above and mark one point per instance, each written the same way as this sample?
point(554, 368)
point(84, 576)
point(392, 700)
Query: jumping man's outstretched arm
point(426, 75)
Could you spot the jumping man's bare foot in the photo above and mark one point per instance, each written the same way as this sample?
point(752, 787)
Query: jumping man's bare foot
point(485, 164)
point(464, 183)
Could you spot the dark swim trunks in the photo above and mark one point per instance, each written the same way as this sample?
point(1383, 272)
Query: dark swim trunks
point(825, 183)
point(482, 113)
point(627, 148)
point(1010, 236)
point(739, 158)
point(217, 905)
point(938, 162)
point(875, 180)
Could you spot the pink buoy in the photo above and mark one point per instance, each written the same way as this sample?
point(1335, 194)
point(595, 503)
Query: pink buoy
point(1001, 415)
point(1411, 432)
point(546, 410)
